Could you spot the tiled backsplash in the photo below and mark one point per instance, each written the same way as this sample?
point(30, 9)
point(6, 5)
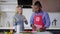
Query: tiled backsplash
point(55, 16)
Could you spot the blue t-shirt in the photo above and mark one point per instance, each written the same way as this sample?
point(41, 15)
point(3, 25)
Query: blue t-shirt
point(45, 18)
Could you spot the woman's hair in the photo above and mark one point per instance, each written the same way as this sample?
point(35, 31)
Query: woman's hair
point(18, 7)
point(37, 3)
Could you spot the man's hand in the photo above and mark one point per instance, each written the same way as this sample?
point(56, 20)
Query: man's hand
point(42, 29)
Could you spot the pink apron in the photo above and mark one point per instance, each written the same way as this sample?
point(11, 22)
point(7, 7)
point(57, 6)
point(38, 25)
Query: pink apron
point(38, 22)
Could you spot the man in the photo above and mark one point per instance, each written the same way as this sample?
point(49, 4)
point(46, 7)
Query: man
point(39, 19)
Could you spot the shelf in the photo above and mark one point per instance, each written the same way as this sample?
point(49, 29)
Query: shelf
point(6, 27)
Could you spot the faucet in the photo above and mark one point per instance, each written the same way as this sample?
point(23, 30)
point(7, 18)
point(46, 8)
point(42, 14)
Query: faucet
point(54, 22)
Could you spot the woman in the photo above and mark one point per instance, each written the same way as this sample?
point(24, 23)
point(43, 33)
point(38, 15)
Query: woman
point(19, 19)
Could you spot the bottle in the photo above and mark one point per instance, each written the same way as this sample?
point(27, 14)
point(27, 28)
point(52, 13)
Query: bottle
point(11, 32)
point(8, 24)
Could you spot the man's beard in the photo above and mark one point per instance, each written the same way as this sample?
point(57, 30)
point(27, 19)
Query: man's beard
point(37, 11)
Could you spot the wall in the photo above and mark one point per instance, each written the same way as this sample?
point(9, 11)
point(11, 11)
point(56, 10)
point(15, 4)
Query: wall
point(50, 5)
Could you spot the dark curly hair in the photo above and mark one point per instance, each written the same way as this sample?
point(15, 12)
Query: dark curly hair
point(37, 3)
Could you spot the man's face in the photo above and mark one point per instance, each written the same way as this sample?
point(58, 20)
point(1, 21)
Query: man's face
point(36, 8)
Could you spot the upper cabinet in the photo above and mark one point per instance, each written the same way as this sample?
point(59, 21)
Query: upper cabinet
point(25, 3)
point(8, 5)
point(8, 2)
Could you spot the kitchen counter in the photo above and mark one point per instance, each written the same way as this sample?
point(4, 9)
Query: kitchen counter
point(30, 28)
point(8, 28)
point(54, 30)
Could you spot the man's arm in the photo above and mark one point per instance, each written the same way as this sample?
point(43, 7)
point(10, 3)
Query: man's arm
point(32, 19)
point(47, 20)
